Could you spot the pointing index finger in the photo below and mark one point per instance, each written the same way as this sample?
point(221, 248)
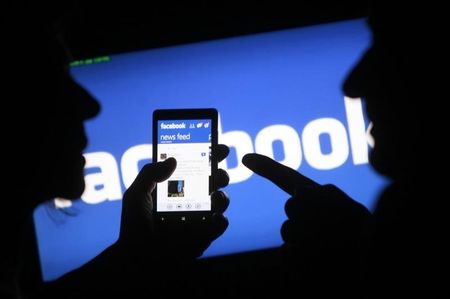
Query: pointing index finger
point(284, 177)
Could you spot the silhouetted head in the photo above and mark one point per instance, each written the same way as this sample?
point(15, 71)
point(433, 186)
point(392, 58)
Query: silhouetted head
point(391, 79)
point(48, 108)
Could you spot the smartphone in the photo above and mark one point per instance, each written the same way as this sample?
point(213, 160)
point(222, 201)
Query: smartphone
point(190, 136)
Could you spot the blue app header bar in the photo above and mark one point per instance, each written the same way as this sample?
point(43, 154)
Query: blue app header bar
point(184, 131)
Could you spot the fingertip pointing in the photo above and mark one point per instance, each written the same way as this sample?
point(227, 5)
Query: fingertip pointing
point(247, 159)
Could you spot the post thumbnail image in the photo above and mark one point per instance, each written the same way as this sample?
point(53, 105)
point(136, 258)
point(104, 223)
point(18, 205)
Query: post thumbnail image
point(175, 188)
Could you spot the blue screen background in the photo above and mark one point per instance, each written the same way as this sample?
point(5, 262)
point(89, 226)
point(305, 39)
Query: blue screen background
point(288, 77)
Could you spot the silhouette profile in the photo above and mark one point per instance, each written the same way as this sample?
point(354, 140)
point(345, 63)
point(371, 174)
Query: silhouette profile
point(333, 246)
point(45, 139)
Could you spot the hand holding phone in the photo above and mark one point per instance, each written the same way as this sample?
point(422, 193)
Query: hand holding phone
point(149, 225)
point(187, 207)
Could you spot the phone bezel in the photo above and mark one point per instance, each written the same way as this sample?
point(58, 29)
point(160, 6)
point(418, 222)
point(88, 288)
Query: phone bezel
point(180, 114)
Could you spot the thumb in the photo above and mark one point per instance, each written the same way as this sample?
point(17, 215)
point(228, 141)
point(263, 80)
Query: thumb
point(153, 173)
point(137, 205)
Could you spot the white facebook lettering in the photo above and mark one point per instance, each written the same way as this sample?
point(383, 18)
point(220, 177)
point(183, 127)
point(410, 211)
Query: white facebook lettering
point(288, 137)
point(359, 138)
point(130, 162)
point(338, 139)
point(103, 185)
point(243, 144)
point(173, 126)
point(355, 139)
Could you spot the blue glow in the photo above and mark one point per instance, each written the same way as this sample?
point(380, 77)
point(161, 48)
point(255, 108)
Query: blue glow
point(288, 78)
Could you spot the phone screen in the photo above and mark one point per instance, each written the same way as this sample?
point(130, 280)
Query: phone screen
point(190, 142)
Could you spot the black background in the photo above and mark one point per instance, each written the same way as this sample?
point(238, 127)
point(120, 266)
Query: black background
point(104, 28)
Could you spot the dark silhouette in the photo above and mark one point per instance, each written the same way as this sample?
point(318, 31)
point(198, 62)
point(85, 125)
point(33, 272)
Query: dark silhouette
point(333, 245)
point(44, 138)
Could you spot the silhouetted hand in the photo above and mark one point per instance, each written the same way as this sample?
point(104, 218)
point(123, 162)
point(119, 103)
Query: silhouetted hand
point(144, 259)
point(326, 233)
point(180, 241)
